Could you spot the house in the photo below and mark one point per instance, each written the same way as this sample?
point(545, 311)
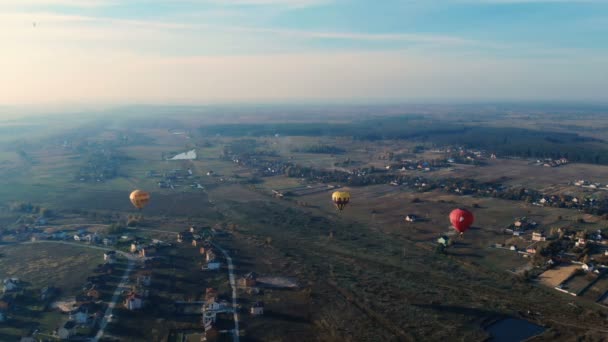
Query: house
point(538, 236)
point(212, 306)
point(134, 248)
point(248, 280)
point(213, 265)
point(411, 218)
point(209, 317)
point(79, 316)
point(11, 284)
point(93, 293)
point(133, 302)
point(197, 242)
point(531, 250)
point(513, 248)
point(147, 252)
point(444, 240)
point(257, 309)
point(67, 330)
point(109, 257)
point(77, 237)
point(202, 250)
point(209, 255)
point(588, 267)
point(108, 241)
point(184, 236)
point(580, 242)
point(211, 294)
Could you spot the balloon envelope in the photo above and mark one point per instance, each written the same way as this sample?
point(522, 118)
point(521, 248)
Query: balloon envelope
point(340, 199)
point(461, 219)
point(139, 198)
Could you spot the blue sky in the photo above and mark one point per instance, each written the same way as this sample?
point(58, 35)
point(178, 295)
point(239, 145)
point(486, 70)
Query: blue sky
point(203, 51)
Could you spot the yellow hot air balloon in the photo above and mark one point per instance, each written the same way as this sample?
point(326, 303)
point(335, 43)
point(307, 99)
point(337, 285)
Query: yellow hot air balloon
point(139, 198)
point(340, 199)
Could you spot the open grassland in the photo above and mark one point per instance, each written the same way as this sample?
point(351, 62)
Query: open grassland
point(48, 264)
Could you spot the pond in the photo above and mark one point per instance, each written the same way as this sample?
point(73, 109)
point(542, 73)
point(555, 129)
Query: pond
point(513, 330)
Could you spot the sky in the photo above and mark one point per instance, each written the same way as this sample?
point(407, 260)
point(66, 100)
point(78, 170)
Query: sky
point(87, 52)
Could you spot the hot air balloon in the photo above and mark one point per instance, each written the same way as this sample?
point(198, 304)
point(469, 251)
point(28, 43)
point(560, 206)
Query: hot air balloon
point(340, 199)
point(461, 219)
point(139, 198)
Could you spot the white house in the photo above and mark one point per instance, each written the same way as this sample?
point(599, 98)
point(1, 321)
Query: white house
point(257, 309)
point(411, 218)
point(588, 267)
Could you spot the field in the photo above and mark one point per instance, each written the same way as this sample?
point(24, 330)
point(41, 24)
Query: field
point(49, 264)
point(38, 265)
point(557, 275)
point(598, 289)
point(363, 274)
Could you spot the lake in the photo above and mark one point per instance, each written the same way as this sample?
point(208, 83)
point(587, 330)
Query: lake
point(513, 330)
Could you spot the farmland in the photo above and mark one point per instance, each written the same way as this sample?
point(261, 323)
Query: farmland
point(363, 274)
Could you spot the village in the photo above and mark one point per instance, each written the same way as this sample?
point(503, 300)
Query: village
point(124, 281)
point(569, 260)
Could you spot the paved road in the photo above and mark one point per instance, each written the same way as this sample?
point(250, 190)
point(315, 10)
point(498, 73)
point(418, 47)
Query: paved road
point(235, 335)
point(117, 293)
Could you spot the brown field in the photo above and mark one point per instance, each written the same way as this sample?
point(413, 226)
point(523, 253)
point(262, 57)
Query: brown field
point(49, 264)
point(557, 275)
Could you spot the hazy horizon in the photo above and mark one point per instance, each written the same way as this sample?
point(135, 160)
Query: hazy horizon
point(79, 53)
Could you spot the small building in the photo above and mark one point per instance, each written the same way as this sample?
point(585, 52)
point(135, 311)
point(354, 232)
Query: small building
point(67, 330)
point(411, 218)
point(443, 240)
point(93, 293)
point(133, 302)
point(531, 250)
point(147, 252)
point(108, 241)
point(536, 236)
point(212, 306)
point(209, 255)
point(109, 257)
point(197, 242)
point(134, 248)
point(211, 294)
point(202, 250)
point(213, 265)
point(580, 242)
point(184, 236)
point(257, 309)
point(513, 248)
point(79, 316)
point(588, 267)
point(248, 280)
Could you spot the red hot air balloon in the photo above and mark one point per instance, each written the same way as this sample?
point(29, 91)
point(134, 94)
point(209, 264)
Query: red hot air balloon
point(461, 219)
